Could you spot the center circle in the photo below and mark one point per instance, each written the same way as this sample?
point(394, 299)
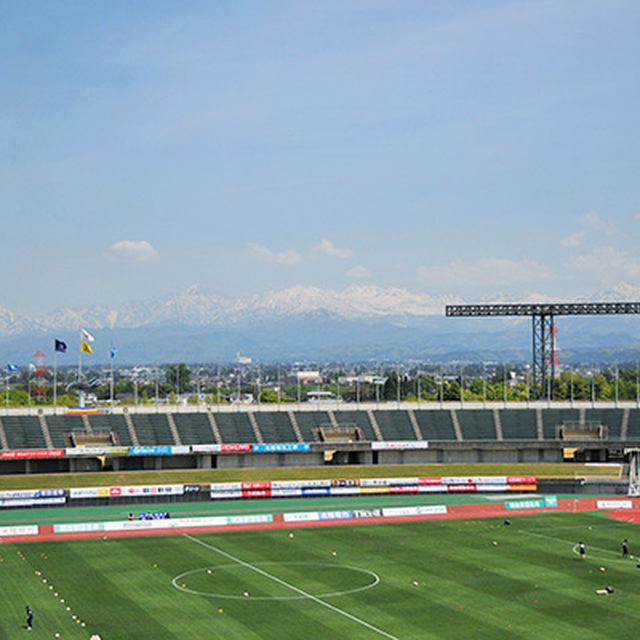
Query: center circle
point(205, 573)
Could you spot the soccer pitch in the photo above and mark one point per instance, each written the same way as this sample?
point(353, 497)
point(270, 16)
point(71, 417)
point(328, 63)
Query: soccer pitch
point(418, 580)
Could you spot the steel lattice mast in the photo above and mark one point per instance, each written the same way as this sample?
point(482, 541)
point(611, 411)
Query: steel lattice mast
point(544, 328)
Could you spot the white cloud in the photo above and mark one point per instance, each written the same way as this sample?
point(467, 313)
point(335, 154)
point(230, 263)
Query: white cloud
point(359, 272)
point(264, 254)
point(593, 220)
point(484, 272)
point(607, 264)
point(134, 250)
point(328, 248)
point(574, 240)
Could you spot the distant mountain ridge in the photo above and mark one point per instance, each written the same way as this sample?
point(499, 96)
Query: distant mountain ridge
point(195, 308)
point(358, 322)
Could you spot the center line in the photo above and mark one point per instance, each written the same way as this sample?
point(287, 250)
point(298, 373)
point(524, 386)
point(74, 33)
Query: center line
point(292, 587)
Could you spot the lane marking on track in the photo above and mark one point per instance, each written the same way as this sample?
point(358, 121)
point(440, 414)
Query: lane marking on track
point(293, 588)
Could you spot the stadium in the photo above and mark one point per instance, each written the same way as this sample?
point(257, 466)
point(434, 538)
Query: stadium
point(374, 520)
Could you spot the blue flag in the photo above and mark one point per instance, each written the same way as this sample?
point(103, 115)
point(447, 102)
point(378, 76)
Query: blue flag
point(12, 367)
point(114, 350)
point(60, 346)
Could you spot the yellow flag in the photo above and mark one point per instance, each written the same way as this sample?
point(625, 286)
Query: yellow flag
point(85, 346)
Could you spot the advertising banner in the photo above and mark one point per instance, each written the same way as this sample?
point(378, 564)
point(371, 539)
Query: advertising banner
point(19, 530)
point(226, 495)
point(31, 493)
point(225, 486)
point(127, 491)
point(536, 503)
point(32, 502)
point(406, 488)
point(376, 482)
point(400, 444)
point(372, 490)
point(404, 512)
point(151, 451)
point(20, 454)
point(229, 448)
point(315, 491)
point(206, 448)
point(281, 447)
point(614, 504)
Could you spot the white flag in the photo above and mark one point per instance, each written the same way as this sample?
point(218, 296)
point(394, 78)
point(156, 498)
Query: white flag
point(87, 335)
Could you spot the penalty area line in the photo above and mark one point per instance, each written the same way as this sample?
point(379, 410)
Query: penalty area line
point(292, 587)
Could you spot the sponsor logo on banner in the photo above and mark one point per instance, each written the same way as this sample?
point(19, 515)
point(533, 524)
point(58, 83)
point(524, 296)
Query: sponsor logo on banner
point(250, 519)
point(225, 486)
point(344, 491)
point(303, 516)
point(522, 480)
point(117, 492)
point(256, 485)
point(372, 490)
point(404, 512)
point(453, 488)
point(19, 454)
point(180, 450)
point(345, 483)
point(376, 482)
point(429, 480)
point(296, 484)
point(400, 444)
point(614, 504)
point(334, 515)
point(286, 493)
point(525, 504)
point(32, 502)
point(19, 530)
point(31, 493)
point(206, 448)
point(315, 491)
point(367, 513)
point(235, 447)
point(407, 488)
point(192, 488)
point(281, 447)
point(151, 451)
point(256, 493)
point(224, 495)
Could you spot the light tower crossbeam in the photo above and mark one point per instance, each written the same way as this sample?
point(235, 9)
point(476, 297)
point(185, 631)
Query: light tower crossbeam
point(544, 329)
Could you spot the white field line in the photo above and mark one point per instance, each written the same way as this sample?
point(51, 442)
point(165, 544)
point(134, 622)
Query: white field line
point(292, 587)
point(574, 548)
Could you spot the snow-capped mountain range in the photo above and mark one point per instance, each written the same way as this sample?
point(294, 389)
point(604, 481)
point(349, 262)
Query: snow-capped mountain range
point(195, 308)
point(308, 322)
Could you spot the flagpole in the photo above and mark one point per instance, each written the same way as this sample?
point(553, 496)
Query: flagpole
point(80, 363)
point(55, 377)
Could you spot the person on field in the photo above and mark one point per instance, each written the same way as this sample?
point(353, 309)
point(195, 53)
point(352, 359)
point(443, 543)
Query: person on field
point(29, 618)
point(605, 592)
point(582, 549)
point(625, 548)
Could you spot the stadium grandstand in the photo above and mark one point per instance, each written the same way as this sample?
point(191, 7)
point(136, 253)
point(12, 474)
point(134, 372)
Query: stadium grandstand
point(48, 440)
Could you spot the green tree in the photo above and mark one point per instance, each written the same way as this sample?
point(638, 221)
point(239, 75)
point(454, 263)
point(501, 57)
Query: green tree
point(179, 377)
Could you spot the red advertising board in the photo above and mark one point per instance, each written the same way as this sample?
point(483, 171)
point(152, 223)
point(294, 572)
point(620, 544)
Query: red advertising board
point(522, 480)
point(31, 453)
point(256, 485)
point(235, 447)
point(429, 480)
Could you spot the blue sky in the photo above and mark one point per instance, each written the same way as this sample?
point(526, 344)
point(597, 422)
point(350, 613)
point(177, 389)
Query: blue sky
point(466, 148)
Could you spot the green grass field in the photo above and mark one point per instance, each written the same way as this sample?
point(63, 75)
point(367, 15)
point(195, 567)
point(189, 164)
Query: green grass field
point(420, 580)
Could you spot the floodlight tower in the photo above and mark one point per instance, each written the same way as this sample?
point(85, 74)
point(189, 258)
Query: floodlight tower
point(544, 329)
